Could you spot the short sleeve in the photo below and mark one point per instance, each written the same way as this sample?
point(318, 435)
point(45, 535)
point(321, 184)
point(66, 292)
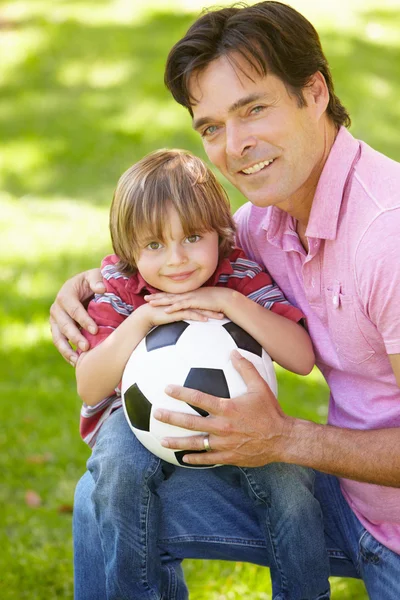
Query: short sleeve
point(110, 309)
point(249, 278)
point(378, 277)
point(244, 237)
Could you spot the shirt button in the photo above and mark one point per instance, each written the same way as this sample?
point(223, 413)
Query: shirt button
point(335, 301)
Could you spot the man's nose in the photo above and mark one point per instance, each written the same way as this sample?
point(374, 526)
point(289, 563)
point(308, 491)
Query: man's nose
point(238, 140)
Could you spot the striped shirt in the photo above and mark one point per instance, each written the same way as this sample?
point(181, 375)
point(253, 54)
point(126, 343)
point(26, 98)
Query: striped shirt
point(126, 293)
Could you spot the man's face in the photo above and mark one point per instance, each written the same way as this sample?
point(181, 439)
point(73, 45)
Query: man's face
point(255, 133)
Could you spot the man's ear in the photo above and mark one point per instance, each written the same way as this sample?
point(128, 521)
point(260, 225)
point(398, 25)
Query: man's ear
point(317, 93)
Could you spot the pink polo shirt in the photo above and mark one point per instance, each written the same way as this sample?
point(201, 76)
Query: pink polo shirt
point(348, 287)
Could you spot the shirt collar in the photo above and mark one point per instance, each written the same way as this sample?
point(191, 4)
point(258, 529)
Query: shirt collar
point(224, 267)
point(138, 285)
point(328, 197)
point(332, 186)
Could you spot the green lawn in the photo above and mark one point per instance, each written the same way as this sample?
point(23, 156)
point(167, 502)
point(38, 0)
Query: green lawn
point(82, 98)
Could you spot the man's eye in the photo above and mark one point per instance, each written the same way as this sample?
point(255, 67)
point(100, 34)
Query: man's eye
point(153, 246)
point(192, 239)
point(257, 109)
point(209, 131)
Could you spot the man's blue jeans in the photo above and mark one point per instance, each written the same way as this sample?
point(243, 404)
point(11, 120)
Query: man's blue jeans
point(202, 514)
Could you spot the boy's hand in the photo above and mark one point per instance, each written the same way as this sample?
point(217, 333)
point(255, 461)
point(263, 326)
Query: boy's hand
point(214, 300)
point(156, 315)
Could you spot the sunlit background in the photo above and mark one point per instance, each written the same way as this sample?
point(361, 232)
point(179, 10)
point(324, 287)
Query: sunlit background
point(82, 98)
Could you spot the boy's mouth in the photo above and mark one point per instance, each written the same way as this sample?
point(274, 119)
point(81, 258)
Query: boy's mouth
point(180, 276)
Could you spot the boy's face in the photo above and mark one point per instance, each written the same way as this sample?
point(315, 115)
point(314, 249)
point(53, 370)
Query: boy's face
point(179, 263)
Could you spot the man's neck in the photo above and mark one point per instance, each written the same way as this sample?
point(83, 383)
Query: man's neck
point(301, 232)
point(300, 208)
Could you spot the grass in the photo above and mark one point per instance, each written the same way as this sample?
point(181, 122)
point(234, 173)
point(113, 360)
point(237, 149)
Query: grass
point(82, 98)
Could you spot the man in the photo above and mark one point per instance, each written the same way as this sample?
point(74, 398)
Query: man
point(323, 216)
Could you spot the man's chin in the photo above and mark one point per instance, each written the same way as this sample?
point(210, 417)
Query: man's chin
point(259, 199)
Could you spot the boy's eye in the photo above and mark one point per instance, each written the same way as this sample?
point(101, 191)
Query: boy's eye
point(192, 239)
point(153, 246)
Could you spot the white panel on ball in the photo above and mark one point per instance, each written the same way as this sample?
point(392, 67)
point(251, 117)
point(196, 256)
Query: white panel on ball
point(188, 352)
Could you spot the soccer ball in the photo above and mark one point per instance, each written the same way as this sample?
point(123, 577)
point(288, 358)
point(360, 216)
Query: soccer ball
point(194, 354)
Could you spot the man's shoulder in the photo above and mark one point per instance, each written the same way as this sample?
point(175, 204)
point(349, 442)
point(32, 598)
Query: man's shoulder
point(251, 217)
point(242, 213)
point(378, 178)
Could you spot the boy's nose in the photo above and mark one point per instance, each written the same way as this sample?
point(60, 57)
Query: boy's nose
point(177, 255)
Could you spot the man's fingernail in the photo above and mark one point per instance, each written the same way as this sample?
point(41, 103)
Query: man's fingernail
point(72, 361)
point(168, 389)
point(82, 345)
point(99, 286)
point(92, 329)
point(236, 354)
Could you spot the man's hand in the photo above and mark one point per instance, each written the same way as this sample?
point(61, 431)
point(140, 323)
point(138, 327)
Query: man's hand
point(250, 430)
point(67, 311)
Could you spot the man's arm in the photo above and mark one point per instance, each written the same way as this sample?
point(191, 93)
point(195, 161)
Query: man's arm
point(67, 312)
point(252, 430)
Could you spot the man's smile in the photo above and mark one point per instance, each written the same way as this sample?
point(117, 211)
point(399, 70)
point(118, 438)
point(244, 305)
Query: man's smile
point(254, 168)
point(257, 167)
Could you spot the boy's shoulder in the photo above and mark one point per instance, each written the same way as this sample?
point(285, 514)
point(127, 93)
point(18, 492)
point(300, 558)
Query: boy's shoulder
point(237, 269)
point(109, 267)
point(132, 287)
point(113, 278)
point(239, 258)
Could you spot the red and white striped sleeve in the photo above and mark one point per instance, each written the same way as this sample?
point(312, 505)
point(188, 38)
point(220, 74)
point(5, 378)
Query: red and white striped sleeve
point(249, 278)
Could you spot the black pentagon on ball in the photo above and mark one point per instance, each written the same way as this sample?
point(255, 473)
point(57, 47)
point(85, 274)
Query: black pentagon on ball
point(179, 454)
point(138, 408)
point(242, 339)
point(165, 335)
point(209, 381)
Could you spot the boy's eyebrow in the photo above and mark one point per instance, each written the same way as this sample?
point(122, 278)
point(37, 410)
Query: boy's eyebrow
point(197, 123)
point(146, 239)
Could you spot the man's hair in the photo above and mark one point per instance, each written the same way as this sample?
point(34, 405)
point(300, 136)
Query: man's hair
point(271, 36)
point(147, 190)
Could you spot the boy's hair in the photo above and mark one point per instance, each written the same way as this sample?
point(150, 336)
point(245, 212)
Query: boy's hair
point(145, 192)
point(271, 36)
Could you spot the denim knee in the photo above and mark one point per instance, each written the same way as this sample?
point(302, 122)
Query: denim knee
point(280, 483)
point(120, 465)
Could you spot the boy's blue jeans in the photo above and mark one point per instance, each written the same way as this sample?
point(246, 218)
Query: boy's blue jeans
point(266, 516)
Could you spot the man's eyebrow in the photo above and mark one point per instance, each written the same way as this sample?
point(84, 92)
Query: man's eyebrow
point(197, 123)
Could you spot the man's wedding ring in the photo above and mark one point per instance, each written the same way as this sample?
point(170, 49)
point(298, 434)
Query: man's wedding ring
point(206, 443)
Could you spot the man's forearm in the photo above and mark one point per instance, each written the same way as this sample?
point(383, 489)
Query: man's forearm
point(368, 456)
